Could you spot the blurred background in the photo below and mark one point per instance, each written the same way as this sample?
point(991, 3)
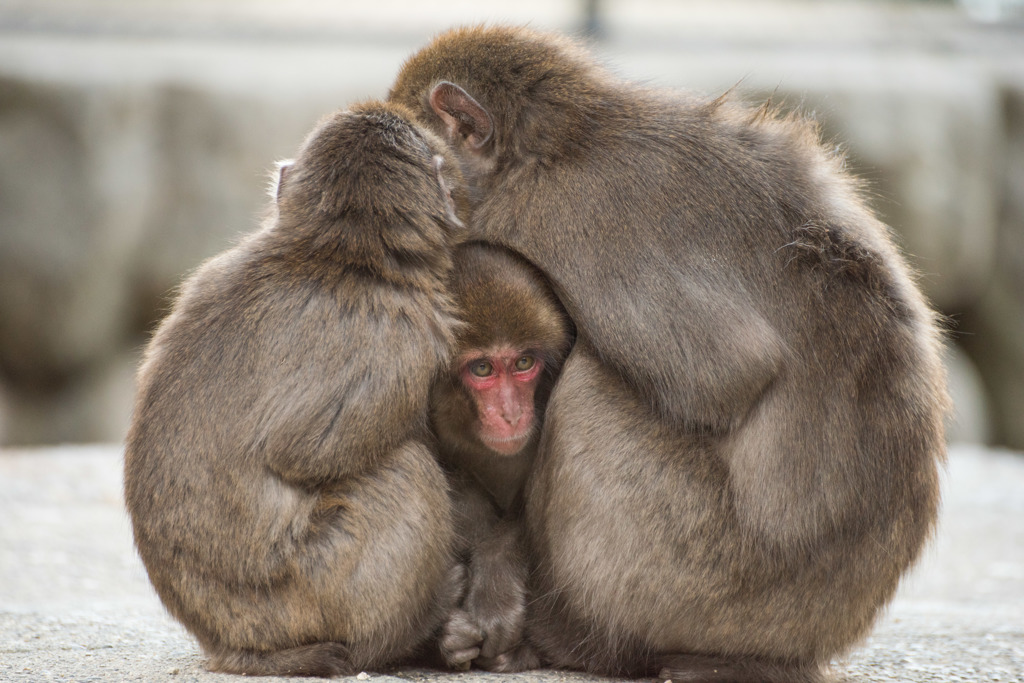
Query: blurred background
point(137, 136)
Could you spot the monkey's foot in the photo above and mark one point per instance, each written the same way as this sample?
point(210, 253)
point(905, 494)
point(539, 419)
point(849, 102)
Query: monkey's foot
point(460, 640)
point(319, 659)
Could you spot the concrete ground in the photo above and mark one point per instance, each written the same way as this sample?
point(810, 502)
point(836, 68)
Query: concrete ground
point(75, 604)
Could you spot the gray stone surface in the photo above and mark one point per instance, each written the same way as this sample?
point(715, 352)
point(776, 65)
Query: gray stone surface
point(75, 604)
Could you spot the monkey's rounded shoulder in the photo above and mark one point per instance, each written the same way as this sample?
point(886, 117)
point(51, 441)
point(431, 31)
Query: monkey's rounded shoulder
point(276, 358)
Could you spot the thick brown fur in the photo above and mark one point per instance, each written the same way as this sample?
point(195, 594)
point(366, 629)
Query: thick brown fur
point(739, 460)
point(503, 301)
point(283, 493)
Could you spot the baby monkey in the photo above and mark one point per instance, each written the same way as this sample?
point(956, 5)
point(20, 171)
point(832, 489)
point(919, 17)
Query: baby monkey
point(487, 415)
point(283, 495)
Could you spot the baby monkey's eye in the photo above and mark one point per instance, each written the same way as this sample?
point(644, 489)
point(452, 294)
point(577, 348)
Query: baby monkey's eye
point(525, 363)
point(482, 368)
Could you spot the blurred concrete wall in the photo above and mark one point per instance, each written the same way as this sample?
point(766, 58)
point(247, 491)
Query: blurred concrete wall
point(135, 139)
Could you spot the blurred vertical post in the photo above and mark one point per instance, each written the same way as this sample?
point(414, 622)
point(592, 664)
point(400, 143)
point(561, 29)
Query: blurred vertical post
point(592, 27)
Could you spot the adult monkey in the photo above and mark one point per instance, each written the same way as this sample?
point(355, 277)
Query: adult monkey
point(739, 460)
point(279, 471)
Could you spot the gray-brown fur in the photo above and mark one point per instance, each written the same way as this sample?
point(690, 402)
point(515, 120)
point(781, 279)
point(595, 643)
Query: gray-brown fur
point(502, 300)
point(739, 460)
point(283, 495)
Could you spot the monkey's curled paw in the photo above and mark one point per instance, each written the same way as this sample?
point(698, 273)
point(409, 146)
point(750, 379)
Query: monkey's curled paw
point(522, 658)
point(498, 607)
point(460, 640)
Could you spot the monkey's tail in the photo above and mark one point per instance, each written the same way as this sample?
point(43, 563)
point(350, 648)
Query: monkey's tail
point(694, 668)
point(319, 659)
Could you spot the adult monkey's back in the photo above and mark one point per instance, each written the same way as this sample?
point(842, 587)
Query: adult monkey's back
point(740, 458)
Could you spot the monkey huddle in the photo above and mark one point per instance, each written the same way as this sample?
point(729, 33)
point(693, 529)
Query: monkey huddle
point(337, 462)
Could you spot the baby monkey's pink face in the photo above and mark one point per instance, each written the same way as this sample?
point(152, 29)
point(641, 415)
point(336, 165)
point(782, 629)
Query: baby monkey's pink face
point(502, 381)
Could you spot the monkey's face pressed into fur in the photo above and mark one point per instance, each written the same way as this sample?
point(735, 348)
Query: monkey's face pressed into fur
point(739, 459)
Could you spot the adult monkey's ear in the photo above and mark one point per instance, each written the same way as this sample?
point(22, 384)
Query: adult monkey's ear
point(464, 119)
point(277, 185)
